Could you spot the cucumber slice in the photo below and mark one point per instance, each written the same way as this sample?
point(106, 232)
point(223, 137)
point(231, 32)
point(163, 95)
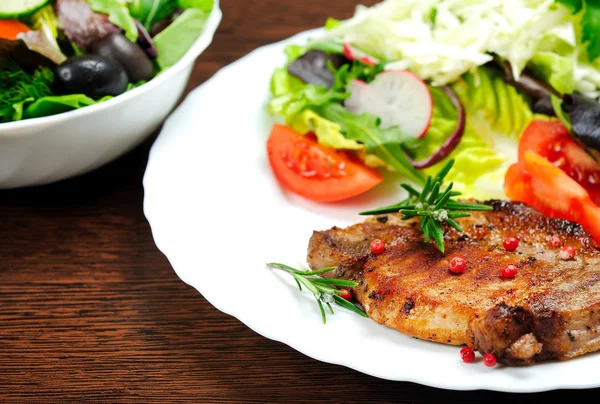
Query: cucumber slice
point(20, 8)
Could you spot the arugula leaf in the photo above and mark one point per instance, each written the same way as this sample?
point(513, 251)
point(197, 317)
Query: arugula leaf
point(149, 12)
point(355, 71)
point(590, 23)
point(118, 14)
point(384, 143)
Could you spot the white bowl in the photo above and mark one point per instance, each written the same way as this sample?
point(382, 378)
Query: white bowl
point(45, 150)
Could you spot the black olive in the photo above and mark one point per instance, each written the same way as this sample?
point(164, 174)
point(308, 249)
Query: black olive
point(130, 55)
point(92, 75)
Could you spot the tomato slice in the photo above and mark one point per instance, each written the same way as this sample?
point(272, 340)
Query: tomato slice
point(537, 182)
point(9, 29)
point(551, 139)
point(306, 168)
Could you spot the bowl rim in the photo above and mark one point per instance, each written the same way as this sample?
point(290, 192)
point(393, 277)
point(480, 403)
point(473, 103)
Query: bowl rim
point(199, 46)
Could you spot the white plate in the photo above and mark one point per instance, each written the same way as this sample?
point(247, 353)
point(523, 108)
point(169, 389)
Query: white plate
point(218, 215)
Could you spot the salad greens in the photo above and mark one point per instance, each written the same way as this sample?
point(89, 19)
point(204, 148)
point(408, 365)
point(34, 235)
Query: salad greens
point(308, 107)
point(118, 14)
point(18, 88)
point(467, 47)
point(174, 41)
point(60, 55)
point(589, 12)
point(149, 12)
point(53, 104)
point(202, 5)
point(383, 143)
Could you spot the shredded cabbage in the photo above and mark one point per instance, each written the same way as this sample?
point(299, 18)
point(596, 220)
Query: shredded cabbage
point(440, 40)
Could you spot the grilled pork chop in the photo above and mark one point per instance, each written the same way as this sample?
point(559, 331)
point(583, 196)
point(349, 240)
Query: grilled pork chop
point(550, 310)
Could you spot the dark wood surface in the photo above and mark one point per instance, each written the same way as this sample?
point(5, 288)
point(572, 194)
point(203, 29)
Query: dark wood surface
point(91, 311)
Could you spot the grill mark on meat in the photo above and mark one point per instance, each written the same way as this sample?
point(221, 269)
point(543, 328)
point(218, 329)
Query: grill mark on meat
point(550, 310)
point(408, 306)
point(382, 219)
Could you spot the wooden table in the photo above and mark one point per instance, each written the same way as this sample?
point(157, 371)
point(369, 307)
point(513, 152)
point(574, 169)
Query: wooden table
point(91, 311)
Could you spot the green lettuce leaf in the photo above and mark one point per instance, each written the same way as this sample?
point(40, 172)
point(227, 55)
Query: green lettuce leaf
point(328, 46)
point(302, 106)
point(332, 23)
point(560, 112)
point(573, 5)
point(328, 133)
point(299, 96)
point(47, 21)
point(175, 40)
point(294, 51)
point(492, 106)
point(53, 105)
point(14, 112)
point(292, 95)
point(204, 5)
point(43, 38)
point(556, 70)
point(282, 82)
point(590, 23)
point(118, 14)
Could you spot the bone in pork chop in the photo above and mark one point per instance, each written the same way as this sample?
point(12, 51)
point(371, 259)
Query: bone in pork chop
point(550, 310)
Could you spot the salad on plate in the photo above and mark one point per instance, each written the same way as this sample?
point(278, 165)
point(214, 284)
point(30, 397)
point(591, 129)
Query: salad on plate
point(61, 55)
point(408, 85)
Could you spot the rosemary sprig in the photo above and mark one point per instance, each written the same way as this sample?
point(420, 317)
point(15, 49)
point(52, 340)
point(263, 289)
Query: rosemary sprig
point(433, 206)
point(321, 288)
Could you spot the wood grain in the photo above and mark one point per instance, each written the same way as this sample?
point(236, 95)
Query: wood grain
point(91, 311)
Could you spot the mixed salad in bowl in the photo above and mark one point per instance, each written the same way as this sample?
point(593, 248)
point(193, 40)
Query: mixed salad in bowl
point(60, 55)
point(507, 90)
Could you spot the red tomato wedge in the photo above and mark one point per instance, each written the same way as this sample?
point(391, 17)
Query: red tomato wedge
point(308, 169)
point(9, 29)
point(537, 182)
point(551, 140)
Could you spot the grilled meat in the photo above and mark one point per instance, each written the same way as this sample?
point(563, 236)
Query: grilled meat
point(550, 310)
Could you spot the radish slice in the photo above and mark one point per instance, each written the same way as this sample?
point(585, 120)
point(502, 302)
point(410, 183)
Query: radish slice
point(397, 97)
point(353, 53)
point(452, 141)
point(361, 95)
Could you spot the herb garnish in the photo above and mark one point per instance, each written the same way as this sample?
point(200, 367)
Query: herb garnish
point(433, 206)
point(321, 288)
point(17, 88)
